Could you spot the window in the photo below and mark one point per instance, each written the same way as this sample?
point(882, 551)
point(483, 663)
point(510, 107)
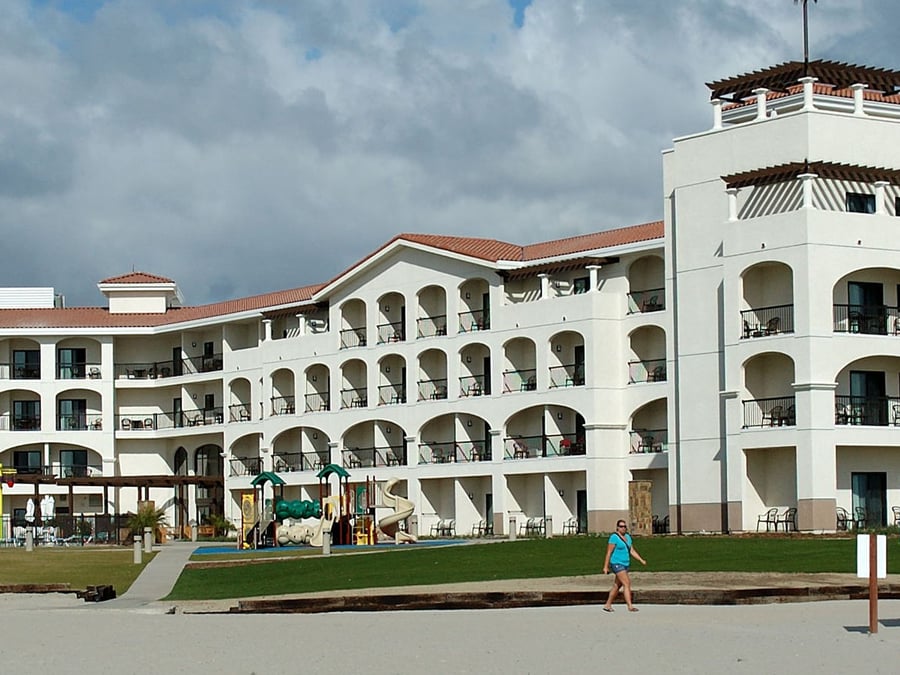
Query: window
point(581, 285)
point(70, 364)
point(26, 415)
point(209, 401)
point(26, 364)
point(27, 461)
point(897, 206)
point(73, 463)
point(72, 414)
point(858, 202)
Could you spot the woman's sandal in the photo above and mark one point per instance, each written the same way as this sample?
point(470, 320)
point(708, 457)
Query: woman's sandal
point(608, 609)
point(632, 609)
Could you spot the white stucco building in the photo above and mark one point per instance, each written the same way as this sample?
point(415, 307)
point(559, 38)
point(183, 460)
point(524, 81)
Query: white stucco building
point(741, 355)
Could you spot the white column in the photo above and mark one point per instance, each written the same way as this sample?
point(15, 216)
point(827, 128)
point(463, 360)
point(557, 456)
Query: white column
point(717, 113)
point(732, 204)
point(807, 179)
point(880, 206)
point(808, 92)
point(594, 272)
point(301, 324)
point(545, 285)
point(761, 102)
point(267, 330)
point(858, 90)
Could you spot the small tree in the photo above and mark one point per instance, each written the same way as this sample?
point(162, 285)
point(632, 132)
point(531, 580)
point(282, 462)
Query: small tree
point(221, 524)
point(147, 516)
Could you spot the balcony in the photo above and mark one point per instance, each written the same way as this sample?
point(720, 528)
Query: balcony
point(148, 370)
point(245, 466)
point(770, 412)
point(868, 411)
point(568, 375)
point(169, 420)
point(473, 385)
point(451, 452)
point(390, 332)
point(651, 370)
point(547, 445)
point(239, 412)
point(20, 423)
point(432, 390)
point(474, 321)
point(867, 319)
point(519, 380)
point(299, 461)
point(318, 401)
point(283, 405)
point(28, 371)
point(391, 394)
point(651, 300)
point(354, 398)
point(78, 371)
point(431, 326)
point(77, 470)
point(88, 422)
point(648, 441)
point(358, 458)
point(353, 337)
point(208, 363)
point(766, 321)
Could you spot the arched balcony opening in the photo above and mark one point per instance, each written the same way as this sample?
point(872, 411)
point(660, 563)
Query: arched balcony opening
point(240, 397)
point(769, 396)
point(432, 318)
point(354, 389)
point(475, 370)
point(567, 367)
point(392, 380)
point(391, 318)
point(647, 284)
point(866, 302)
point(20, 410)
point(24, 359)
point(353, 324)
point(210, 499)
point(475, 305)
point(244, 458)
point(544, 431)
point(767, 303)
point(649, 428)
point(283, 399)
point(432, 380)
point(79, 410)
point(300, 449)
point(520, 373)
point(455, 437)
point(648, 355)
point(78, 359)
point(374, 443)
point(868, 392)
point(318, 388)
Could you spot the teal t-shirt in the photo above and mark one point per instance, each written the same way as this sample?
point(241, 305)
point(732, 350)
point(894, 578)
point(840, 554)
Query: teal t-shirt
point(621, 555)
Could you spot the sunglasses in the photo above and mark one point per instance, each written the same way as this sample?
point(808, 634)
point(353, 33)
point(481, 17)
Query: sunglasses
point(622, 525)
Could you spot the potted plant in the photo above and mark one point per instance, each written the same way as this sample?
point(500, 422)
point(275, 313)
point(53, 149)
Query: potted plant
point(147, 516)
point(221, 525)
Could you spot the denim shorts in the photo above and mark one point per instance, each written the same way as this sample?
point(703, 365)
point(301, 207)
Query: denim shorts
point(616, 568)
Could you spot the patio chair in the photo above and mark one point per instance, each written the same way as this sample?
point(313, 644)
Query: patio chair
point(896, 511)
point(774, 416)
point(126, 424)
point(788, 519)
point(770, 518)
point(842, 518)
point(772, 325)
point(860, 517)
point(896, 411)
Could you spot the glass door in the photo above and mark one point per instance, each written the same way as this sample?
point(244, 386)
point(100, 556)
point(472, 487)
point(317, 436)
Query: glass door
point(866, 307)
point(869, 499)
point(868, 401)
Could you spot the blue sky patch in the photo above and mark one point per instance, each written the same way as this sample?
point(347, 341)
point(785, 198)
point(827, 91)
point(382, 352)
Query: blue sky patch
point(519, 7)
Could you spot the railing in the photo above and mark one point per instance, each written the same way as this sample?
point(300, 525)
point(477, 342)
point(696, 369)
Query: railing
point(652, 370)
point(86, 422)
point(431, 326)
point(648, 440)
point(519, 380)
point(547, 445)
point(208, 363)
point(77, 470)
point(391, 455)
point(390, 332)
point(9, 422)
point(44, 470)
point(391, 394)
point(452, 451)
point(354, 398)
point(473, 385)
point(70, 530)
point(318, 401)
point(169, 420)
point(78, 371)
point(871, 411)
point(868, 319)
point(651, 300)
point(27, 372)
point(245, 466)
point(433, 390)
point(770, 412)
point(353, 337)
point(765, 321)
point(239, 412)
point(300, 461)
point(283, 405)
point(568, 375)
point(473, 321)
point(148, 370)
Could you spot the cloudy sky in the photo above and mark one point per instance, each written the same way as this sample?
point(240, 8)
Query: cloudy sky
point(241, 147)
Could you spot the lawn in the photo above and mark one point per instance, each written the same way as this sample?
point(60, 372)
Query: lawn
point(410, 566)
point(79, 567)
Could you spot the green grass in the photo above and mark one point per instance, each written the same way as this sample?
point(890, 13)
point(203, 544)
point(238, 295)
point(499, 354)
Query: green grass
point(410, 566)
point(79, 567)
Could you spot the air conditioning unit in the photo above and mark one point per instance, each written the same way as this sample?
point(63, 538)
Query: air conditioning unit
point(316, 323)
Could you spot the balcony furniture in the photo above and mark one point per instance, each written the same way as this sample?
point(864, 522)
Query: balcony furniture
point(287, 409)
point(195, 421)
point(148, 423)
point(440, 330)
point(520, 449)
point(772, 325)
point(774, 416)
point(359, 402)
point(529, 385)
point(842, 518)
point(860, 518)
point(652, 304)
point(896, 511)
point(474, 389)
point(244, 416)
point(97, 424)
point(94, 373)
point(439, 393)
point(841, 414)
point(126, 424)
point(770, 518)
point(570, 526)
point(444, 528)
point(790, 418)
point(479, 528)
point(658, 374)
point(532, 527)
point(896, 411)
point(477, 455)
point(788, 519)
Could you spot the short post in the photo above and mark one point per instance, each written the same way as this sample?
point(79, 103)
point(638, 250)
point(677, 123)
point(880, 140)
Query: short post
point(326, 543)
point(548, 527)
point(873, 584)
point(29, 540)
point(148, 540)
point(193, 530)
point(871, 562)
point(137, 549)
point(512, 528)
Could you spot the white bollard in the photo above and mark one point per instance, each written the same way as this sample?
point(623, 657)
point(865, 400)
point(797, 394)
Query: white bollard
point(137, 549)
point(29, 540)
point(548, 527)
point(512, 528)
point(148, 540)
point(193, 530)
point(326, 543)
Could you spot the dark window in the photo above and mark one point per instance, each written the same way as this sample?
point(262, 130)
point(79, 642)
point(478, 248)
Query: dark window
point(26, 415)
point(860, 203)
point(897, 206)
point(70, 363)
point(209, 401)
point(27, 461)
point(73, 463)
point(581, 285)
point(26, 364)
point(208, 349)
point(72, 414)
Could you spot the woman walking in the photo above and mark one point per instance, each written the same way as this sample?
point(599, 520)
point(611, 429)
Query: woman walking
point(618, 558)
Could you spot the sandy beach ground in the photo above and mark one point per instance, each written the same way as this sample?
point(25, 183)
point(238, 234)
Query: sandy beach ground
point(61, 634)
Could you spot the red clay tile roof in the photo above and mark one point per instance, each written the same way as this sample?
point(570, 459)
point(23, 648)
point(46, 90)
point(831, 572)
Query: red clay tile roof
point(588, 242)
point(138, 278)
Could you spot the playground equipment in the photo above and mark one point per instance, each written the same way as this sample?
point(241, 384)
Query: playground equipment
point(389, 527)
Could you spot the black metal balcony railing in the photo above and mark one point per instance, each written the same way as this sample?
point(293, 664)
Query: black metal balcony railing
point(432, 390)
point(770, 412)
point(765, 321)
point(208, 363)
point(519, 380)
point(651, 300)
point(318, 401)
point(20, 423)
point(357, 458)
point(568, 375)
point(651, 370)
point(77, 470)
point(547, 445)
point(391, 332)
point(31, 371)
point(86, 422)
point(871, 411)
point(239, 412)
point(473, 385)
point(868, 319)
point(391, 394)
point(453, 451)
point(299, 461)
point(473, 321)
point(78, 371)
point(431, 326)
point(649, 440)
point(245, 466)
point(354, 398)
point(353, 337)
point(283, 405)
point(169, 420)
